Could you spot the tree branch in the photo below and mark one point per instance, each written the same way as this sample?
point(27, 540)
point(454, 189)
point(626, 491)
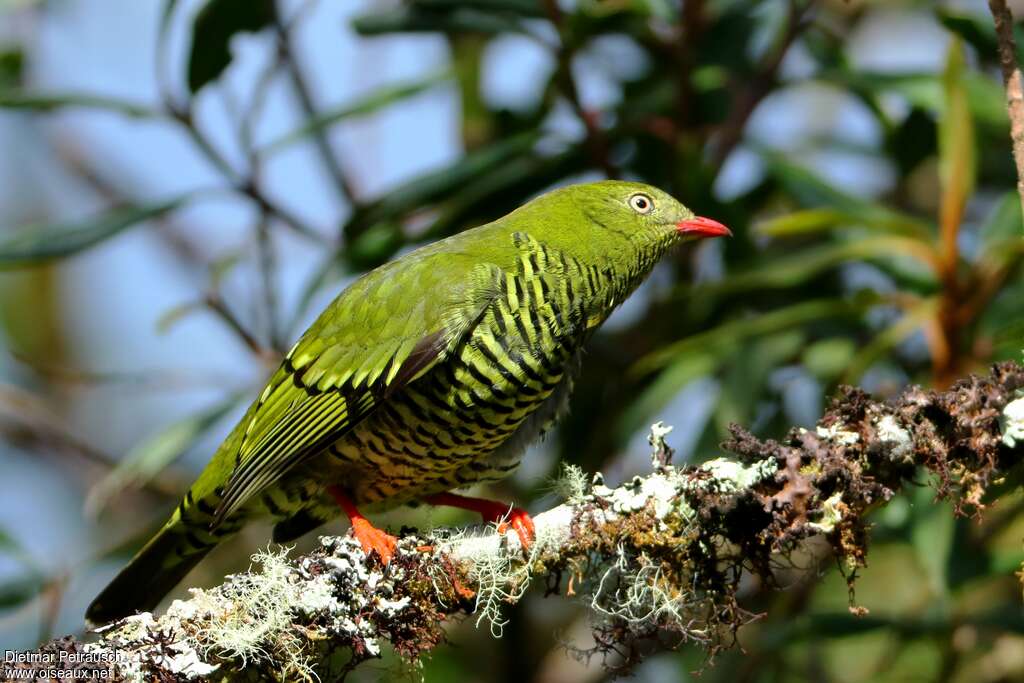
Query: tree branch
point(1012, 79)
point(658, 558)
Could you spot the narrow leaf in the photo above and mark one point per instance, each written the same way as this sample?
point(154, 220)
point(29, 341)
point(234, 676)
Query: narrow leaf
point(15, 592)
point(47, 102)
point(40, 243)
point(373, 102)
point(1004, 223)
point(152, 455)
point(12, 66)
point(525, 8)
point(986, 99)
point(931, 534)
point(956, 148)
point(665, 386)
point(888, 339)
point(426, 20)
point(437, 185)
point(214, 26)
point(745, 328)
point(833, 207)
point(791, 271)
point(976, 29)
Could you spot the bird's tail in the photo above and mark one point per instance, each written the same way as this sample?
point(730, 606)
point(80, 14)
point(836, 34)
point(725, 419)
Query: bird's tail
point(155, 570)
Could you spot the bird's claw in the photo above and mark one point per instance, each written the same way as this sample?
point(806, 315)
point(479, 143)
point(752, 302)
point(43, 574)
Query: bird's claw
point(520, 521)
point(374, 540)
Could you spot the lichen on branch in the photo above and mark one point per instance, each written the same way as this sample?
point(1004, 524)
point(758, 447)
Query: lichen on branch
point(657, 559)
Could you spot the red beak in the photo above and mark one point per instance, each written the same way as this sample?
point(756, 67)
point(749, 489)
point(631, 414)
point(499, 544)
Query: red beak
point(703, 227)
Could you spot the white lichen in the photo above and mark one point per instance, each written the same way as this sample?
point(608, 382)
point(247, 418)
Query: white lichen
point(729, 476)
point(571, 484)
point(831, 514)
point(837, 434)
point(1013, 423)
point(636, 591)
point(897, 440)
point(660, 491)
point(661, 452)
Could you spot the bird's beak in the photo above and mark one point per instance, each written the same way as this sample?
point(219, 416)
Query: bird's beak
point(699, 226)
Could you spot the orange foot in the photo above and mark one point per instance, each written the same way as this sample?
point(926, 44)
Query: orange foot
point(492, 511)
point(370, 537)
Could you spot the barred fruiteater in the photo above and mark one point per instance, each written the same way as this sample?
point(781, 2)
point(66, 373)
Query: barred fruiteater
point(428, 374)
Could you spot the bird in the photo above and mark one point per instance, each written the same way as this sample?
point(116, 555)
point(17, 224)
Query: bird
point(427, 375)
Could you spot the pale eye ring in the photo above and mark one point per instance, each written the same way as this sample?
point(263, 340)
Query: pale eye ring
point(641, 203)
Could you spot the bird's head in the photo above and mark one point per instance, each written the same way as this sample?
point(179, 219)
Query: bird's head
point(642, 213)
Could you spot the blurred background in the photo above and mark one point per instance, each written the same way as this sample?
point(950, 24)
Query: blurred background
point(185, 184)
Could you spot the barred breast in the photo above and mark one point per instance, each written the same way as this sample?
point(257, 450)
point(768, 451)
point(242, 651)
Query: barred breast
point(447, 430)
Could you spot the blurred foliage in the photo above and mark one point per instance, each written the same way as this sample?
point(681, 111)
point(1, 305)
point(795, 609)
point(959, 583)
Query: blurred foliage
point(906, 269)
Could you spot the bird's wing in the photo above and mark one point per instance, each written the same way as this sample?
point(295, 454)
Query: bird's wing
point(383, 332)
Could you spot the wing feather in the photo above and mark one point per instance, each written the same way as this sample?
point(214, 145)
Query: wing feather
point(344, 367)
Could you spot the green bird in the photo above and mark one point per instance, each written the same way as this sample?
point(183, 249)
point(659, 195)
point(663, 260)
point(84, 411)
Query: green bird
point(427, 375)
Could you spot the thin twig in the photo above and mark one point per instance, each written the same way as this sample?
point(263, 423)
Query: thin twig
point(267, 257)
point(597, 141)
point(217, 305)
point(239, 183)
point(1012, 79)
point(759, 86)
point(342, 183)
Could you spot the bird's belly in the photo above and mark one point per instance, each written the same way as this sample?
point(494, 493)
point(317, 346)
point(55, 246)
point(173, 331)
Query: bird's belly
point(421, 440)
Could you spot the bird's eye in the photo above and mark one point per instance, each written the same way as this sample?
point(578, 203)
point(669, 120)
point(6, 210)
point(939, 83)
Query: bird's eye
point(641, 203)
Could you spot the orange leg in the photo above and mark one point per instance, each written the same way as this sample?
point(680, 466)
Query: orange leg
point(370, 537)
point(491, 511)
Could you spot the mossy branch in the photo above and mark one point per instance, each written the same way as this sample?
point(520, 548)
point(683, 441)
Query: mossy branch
point(656, 559)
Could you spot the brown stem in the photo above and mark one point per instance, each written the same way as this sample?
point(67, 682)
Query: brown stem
point(597, 142)
point(759, 86)
point(1012, 79)
point(692, 25)
point(217, 305)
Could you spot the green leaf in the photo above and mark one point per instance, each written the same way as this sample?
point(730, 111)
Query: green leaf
point(18, 591)
point(1004, 223)
point(665, 386)
point(978, 31)
point(792, 271)
point(812, 221)
point(829, 207)
point(176, 314)
point(828, 358)
point(435, 185)
point(12, 66)
point(14, 550)
point(41, 243)
point(756, 325)
point(806, 221)
point(373, 102)
point(417, 19)
point(214, 26)
point(745, 375)
point(523, 8)
point(931, 534)
point(957, 163)
point(47, 102)
point(147, 459)
point(8, 543)
point(986, 98)
point(458, 199)
point(886, 340)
